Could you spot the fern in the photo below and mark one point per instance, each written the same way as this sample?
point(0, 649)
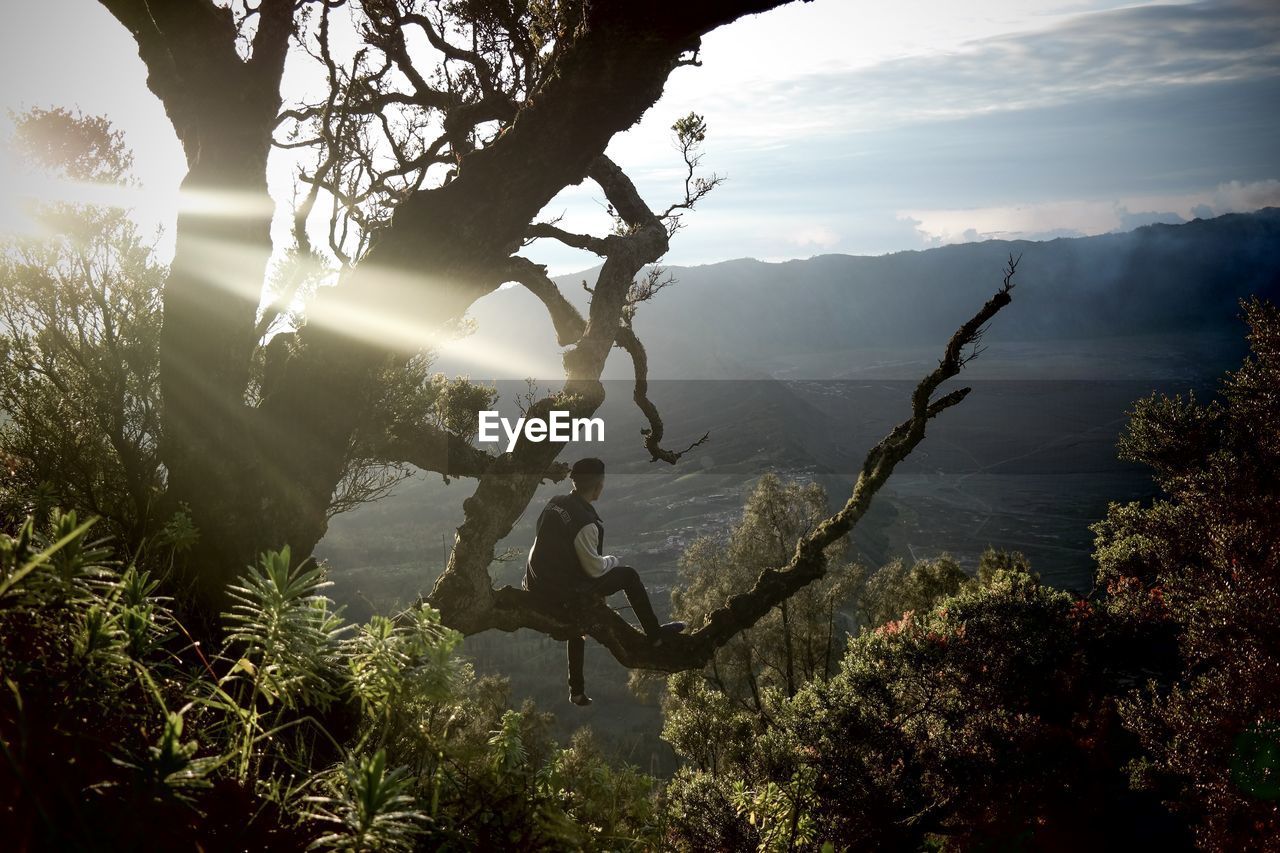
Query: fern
point(170, 769)
point(371, 808)
point(507, 745)
point(387, 661)
point(62, 570)
point(288, 632)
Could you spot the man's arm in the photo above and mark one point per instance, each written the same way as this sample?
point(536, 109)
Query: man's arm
point(591, 560)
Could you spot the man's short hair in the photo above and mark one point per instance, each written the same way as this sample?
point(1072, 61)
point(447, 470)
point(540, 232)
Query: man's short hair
point(586, 473)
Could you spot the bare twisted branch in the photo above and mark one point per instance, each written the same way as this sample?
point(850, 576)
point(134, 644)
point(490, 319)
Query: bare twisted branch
point(513, 608)
point(628, 341)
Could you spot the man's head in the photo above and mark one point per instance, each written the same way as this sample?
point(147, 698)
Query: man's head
point(588, 477)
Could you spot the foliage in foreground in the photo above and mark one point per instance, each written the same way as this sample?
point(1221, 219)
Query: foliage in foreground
point(1196, 577)
point(975, 721)
point(301, 731)
point(1010, 715)
point(987, 712)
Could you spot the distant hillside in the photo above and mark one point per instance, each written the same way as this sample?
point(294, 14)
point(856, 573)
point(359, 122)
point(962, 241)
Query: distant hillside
point(746, 315)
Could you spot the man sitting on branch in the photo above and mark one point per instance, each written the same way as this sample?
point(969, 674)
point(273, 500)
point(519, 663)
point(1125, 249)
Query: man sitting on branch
point(568, 570)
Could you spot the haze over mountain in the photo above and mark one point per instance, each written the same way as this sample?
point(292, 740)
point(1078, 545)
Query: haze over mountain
point(801, 366)
point(839, 315)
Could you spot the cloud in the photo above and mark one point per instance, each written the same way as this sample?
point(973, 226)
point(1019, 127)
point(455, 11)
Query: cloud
point(1083, 217)
point(1130, 221)
point(1237, 197)
point(1123, 52)
point(819, 236)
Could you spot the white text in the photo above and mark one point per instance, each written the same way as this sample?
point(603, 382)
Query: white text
point(557, 427)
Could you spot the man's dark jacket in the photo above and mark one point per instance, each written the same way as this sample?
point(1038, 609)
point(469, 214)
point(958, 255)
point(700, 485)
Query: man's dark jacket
point(553, 570)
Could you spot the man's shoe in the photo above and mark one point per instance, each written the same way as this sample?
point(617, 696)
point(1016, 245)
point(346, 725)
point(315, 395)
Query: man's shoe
point(580, 699)
point(667, 629)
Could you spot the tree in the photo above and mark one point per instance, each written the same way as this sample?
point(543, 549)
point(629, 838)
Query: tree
point(1195, 579)
point(81, 323)
point(898, 588)
point(986, 719)
point(79, 335)
point(802, 637)
point(715, 718)
point(979, 720)
point(260, 472)
point(443, 131)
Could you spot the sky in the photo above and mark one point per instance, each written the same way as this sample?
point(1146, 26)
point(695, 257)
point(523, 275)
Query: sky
point(846, 127)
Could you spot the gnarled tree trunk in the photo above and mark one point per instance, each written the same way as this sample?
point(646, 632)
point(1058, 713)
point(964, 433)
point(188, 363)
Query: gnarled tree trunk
point(264, 476)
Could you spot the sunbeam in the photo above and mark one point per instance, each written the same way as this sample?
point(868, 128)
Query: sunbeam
point(392, 319)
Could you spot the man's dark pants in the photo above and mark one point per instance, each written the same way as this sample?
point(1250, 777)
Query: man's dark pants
point(619, 579)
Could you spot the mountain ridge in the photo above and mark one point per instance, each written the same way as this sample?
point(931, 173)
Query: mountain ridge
point(743, 316)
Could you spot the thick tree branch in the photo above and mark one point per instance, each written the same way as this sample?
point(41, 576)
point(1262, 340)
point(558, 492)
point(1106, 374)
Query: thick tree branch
point(271, 42)
point(606, 74)
point(586, 242)
point(464, 593)
point(432, 448)
point(513, 609)
point(566, 319)
point(207, 90)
